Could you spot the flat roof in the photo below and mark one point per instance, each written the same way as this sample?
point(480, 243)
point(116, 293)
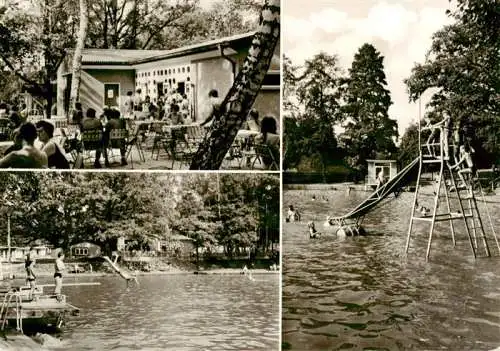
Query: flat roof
point(133, 57)
point(381, 161)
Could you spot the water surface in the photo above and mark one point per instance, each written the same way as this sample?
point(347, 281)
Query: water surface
point(363, 294)
point(175, 312)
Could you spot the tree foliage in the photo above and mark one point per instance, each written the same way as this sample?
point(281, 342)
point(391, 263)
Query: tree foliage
point(463, 66)
point(369, 132)
point(311, 131)
point(63, 209)
point(33, 42)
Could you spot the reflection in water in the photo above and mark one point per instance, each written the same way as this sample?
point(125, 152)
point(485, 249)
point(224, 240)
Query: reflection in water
point(176, 312)
point(361, 293)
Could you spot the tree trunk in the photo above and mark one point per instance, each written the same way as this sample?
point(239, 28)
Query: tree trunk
point(47, 91)
point(242, 94)
point(77, 57)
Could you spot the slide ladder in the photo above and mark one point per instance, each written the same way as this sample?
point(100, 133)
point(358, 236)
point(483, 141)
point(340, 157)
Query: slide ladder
point(453, 186)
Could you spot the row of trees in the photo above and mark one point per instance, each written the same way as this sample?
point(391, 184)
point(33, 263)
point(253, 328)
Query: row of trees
point(462, 66)
point(322, 97)
point(62, 209)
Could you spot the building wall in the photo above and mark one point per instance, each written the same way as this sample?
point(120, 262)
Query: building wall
point(125, 77)
point(267, 103)
point(215, 73)
point(170, 74)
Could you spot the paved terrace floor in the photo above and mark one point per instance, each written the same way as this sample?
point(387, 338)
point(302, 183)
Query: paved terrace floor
point(164, 162)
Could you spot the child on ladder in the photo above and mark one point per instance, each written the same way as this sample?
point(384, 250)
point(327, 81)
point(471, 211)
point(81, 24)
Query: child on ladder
point(466, 165)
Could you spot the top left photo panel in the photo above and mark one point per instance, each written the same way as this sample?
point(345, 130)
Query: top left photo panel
point(140, 84)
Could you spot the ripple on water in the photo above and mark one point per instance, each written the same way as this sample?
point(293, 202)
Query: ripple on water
point(364, 294)
point(178, 312)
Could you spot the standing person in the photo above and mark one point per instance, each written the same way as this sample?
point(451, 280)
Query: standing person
point(214, 102)
point(59, 267)
point(137, 104)
point(29, 262)
point(380, 179)
point(129, 106)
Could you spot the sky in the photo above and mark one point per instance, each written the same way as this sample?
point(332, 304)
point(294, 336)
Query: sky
point(400, 30)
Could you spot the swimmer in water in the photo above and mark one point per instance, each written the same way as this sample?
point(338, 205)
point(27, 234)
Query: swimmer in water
point(293, 215)
point(247, 273)
point(313, 233)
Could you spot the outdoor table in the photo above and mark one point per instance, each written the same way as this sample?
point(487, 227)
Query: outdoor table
point(245, 133)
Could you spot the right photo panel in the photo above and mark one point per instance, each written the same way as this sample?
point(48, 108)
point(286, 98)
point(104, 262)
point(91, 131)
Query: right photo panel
point(391, 157)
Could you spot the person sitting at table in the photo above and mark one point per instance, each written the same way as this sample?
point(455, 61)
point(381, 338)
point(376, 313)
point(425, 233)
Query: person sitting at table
point(55, 154)
point(91, 123)
point(114, 122)
point(269, 136)
point(178, 134)
point(215, 105)
point(175, 116)
point(28, 156)
point(253, 121)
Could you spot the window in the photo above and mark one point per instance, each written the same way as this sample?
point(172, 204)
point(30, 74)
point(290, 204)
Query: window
point(178, 70)
point(81, 251)
point(183, 69)
point(188, 69)
point(169, 71)
point(271, 79)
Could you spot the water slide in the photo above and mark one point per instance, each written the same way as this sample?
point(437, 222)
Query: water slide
point(402, 178)
point(125, 275)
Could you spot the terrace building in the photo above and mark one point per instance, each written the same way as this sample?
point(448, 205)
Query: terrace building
point(108, 74)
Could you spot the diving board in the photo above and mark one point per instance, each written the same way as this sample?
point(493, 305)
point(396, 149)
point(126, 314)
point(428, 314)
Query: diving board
point(401, 179)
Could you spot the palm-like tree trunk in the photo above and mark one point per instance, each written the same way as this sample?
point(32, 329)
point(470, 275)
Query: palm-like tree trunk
point(242, 94)
point(77, 56)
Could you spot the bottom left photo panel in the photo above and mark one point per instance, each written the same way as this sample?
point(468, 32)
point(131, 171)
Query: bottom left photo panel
point(156, 261)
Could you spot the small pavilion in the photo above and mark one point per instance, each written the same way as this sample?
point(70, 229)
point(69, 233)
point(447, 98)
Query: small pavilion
point(389, 167)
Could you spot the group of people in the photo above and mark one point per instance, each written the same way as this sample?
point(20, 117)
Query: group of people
point(24, 154)
point(458, 154)
point(137, 107)
point(59, 268)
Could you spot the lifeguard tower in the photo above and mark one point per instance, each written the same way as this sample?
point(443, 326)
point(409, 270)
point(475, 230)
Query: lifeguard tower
point(454, 199)
point(388, 167)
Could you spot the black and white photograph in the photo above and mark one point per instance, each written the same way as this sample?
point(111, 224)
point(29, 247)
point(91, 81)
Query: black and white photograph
point(140, 84)
point(139, 261)
point(391, 125)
